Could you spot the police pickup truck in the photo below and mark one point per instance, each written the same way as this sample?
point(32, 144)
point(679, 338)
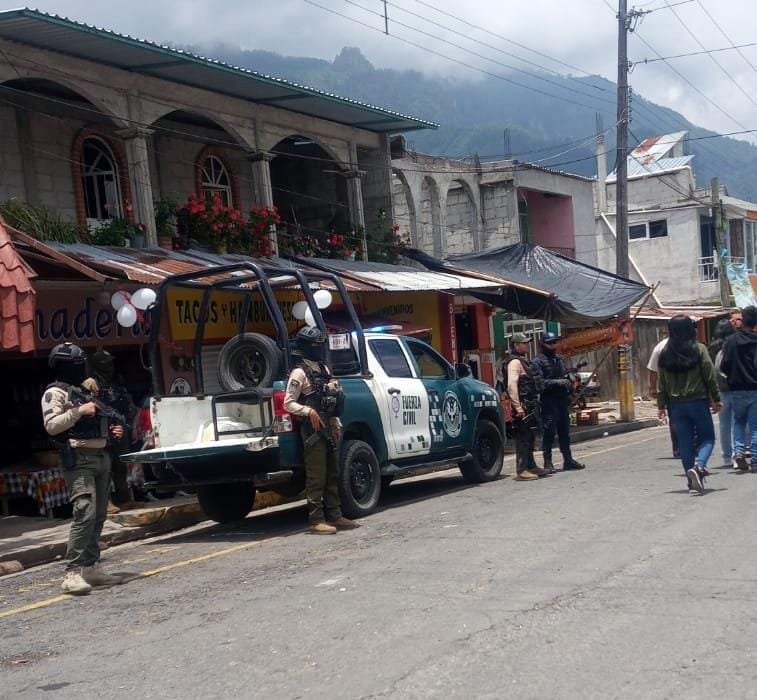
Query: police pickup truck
point(406, 409)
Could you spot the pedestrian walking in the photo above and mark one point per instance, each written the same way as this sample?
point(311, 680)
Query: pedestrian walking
point(523, 391)
point(687, 396)
point(81, 435)
point(314, 395)
point(723, 331)
point(555, 403)
point(740, 367)
point(653, 365)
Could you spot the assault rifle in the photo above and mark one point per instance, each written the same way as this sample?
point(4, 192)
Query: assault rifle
point(324, 433)
point(80, 396)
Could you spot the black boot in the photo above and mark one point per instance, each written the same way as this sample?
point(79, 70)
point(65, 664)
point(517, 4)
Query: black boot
point(571, 464)
point(549, 468)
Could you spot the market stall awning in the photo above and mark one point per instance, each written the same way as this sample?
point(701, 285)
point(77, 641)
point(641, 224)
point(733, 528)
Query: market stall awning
point(540, 284)
point(17, 298)
point(399, 278)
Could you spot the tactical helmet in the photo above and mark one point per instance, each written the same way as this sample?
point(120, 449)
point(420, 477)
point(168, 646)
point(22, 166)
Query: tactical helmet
point(549, 337)
point(66, 353)
point(309, 335)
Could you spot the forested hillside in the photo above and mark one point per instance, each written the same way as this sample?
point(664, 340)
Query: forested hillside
point(473, 114)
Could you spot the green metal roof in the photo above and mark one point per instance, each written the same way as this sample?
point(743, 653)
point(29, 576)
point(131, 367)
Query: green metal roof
point(65, 36)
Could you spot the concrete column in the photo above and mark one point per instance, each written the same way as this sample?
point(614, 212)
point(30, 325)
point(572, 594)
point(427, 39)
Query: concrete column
point(355, 200)
point(138, 161)
point(262, 188)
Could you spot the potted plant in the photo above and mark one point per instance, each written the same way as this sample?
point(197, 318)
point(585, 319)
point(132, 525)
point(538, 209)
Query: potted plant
point(165, 221)
point(117, 233)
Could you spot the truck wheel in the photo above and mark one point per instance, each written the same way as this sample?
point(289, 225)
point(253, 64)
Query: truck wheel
point(359, 478)
point(225, 503)
point(488, 454)
point(247, 361)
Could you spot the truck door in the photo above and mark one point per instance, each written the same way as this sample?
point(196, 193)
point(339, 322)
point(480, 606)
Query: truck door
point(402, 400)
point(448, 411)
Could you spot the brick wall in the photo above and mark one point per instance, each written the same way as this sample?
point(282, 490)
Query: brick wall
point(461, 222)
point(11, 167)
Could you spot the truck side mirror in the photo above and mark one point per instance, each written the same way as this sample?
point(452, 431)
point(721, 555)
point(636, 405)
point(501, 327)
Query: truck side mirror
point(462, 370)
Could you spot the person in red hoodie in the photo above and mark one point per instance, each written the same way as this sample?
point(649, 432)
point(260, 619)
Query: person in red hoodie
point(739, 364)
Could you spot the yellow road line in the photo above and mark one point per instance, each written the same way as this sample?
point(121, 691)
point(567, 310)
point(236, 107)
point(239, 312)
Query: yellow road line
point(146, 574)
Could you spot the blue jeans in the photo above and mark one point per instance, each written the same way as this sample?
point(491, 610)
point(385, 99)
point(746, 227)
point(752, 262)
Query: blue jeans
point(726, 426)
point(690, 418)
point(744, 412)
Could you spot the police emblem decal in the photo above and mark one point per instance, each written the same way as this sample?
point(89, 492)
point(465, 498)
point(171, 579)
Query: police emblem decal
point(452, 415)
point(396, 405)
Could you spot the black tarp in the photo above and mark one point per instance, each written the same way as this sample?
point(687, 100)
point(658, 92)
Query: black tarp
point(579, 295)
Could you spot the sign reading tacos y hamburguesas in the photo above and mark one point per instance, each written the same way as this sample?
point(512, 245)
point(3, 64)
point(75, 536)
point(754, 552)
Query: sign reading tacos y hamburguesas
point(224, 312)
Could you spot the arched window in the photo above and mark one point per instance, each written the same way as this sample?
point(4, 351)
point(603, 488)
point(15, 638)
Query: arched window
point(99, 173)
point(215, 180)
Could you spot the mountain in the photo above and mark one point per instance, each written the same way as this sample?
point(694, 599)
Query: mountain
point(474, 114)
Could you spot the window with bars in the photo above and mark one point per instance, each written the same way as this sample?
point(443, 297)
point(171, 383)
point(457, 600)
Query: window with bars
point(215, 180)
point(102, 192)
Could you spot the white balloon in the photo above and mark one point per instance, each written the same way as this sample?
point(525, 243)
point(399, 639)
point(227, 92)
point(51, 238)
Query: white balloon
point(143, 298)
point(323, 298)
point(299, 309)
point(127, 316)
point(309, 318)
point(119, 299)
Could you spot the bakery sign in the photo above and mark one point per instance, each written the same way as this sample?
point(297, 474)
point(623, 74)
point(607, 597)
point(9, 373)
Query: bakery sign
point(82, 313)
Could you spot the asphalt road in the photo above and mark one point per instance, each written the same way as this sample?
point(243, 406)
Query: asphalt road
point(613, 582)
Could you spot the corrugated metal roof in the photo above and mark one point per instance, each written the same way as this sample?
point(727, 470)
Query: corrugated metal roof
point(638, 169)
point(657, 146)
point(400, 278)
point(62, 35)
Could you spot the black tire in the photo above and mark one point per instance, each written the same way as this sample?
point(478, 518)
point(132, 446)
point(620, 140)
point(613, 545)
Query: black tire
point(488, 454)
point(247, 361)
point(359, 478)
point(226, 503)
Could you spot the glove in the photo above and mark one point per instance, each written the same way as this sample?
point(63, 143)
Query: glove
point(562, 383)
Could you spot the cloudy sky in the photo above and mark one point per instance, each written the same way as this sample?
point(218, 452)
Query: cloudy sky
point(581, 33)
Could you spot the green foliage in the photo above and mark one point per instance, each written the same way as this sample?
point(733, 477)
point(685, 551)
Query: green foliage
point(165, 216)
point(115, 232)
point(40, 222)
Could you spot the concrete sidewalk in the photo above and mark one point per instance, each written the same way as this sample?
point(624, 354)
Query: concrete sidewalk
point(26, 542)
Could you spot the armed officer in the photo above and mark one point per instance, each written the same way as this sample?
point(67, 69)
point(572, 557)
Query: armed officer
point(523, 390)
point(81, 434)
point(315, 396)
point(555, 403)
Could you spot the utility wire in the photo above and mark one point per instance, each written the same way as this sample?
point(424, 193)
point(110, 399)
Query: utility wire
point(693, 53)
point(710, 55)
point(728, 39)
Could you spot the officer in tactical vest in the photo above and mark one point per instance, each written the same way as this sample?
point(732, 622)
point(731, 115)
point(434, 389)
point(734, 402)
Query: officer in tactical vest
point(315, 396)
point(523, 390)
point(81, 433)
point(555, 403)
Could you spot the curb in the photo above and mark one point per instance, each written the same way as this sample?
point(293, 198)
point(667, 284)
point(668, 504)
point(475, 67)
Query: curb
point(160, 521)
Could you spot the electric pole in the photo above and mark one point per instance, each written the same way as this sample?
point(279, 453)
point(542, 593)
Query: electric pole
point(621, 187)
point(718, 254)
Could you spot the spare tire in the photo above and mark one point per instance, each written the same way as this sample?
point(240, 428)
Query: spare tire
point(247, 361)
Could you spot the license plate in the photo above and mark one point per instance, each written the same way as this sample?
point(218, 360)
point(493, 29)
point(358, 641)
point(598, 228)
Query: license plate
point(339, 342)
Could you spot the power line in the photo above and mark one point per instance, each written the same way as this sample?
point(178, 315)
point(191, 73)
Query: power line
point(710, 55)
point(693, 53)
point(447, 58)
point(728, 39)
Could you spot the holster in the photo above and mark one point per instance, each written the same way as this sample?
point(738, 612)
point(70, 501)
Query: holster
point(67, 456)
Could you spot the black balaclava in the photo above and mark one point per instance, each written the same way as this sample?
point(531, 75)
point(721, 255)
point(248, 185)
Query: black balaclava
point(102, 365)
point(71, 372)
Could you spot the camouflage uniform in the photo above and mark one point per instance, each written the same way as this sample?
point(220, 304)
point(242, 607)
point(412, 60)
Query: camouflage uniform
point(88, 481)
point(321, 462)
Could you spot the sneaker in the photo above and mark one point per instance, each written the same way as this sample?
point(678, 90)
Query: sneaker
point(741, 463)
point(322, 529)
point(74, 583)
point(572, 465)
point(342, 523)
point(695, 481)
point(95, 576)
point(526, 475)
